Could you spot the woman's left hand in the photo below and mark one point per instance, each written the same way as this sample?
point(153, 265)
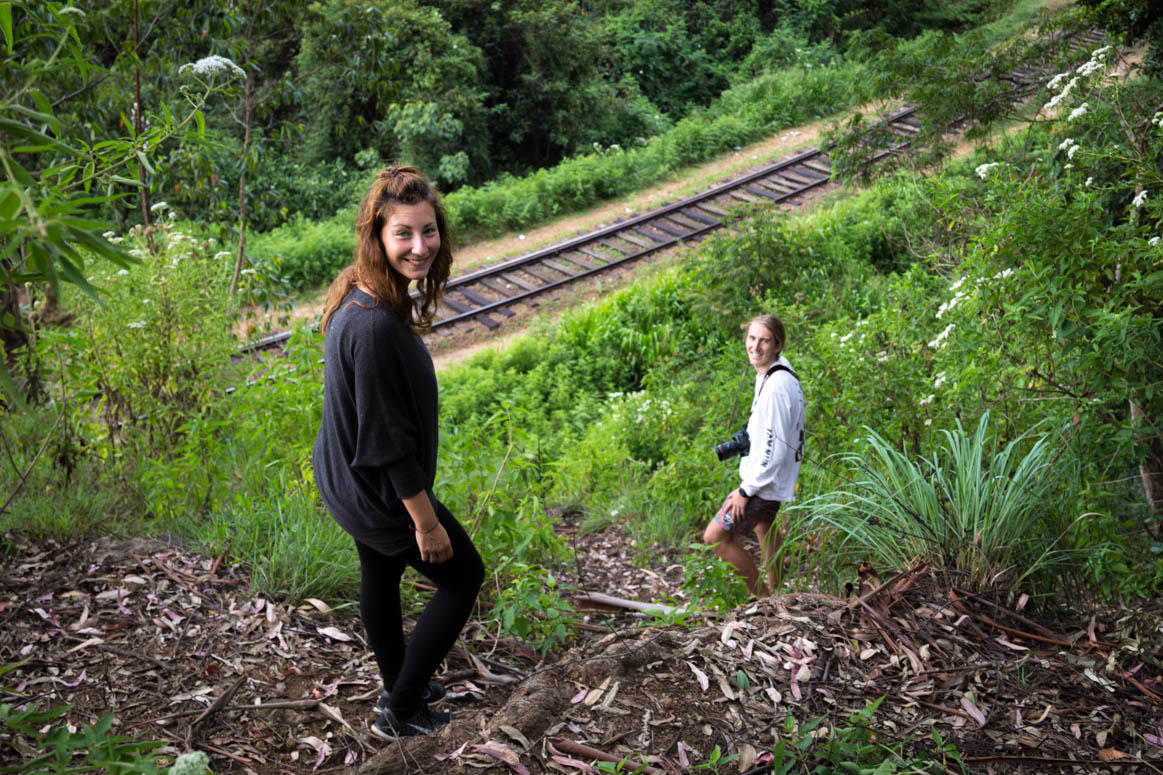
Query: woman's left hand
point(435, 546)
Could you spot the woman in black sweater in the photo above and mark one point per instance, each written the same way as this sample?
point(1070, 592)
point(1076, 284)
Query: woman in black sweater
point(375, 455)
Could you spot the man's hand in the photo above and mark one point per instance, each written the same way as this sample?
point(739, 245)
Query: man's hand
point(736, 502)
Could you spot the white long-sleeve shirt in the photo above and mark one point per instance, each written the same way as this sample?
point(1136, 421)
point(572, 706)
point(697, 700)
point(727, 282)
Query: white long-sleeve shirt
point(776, 430)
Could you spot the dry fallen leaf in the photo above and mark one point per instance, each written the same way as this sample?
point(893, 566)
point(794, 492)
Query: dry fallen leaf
point(700, 676)
point(334, 633)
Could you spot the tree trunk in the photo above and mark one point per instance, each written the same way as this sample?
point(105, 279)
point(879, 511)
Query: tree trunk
point(1151, 467)
point(139, 127)
point(246, 122)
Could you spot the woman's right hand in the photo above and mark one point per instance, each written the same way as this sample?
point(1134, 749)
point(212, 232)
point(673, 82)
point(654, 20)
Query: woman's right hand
point(435, 546)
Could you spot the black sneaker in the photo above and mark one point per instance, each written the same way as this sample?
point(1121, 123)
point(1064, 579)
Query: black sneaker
point(433, 693)
point(422, 722)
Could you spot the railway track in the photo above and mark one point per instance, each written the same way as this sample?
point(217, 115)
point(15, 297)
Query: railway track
point(484, 295)
point(487, 295)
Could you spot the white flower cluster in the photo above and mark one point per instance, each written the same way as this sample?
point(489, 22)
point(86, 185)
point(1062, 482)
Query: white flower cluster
point(937, 383)
point(1140, 199)
point(942, 337)
point(1053, 103)
point(1079, 112)
point(926, 400)
point(663, 411)
point(158, 207)
point(1157, 119)
point(194, 763)
point(1090, 67)
point(983, 170)
point(960, 295)
point(212, 65)
point(1153, 241)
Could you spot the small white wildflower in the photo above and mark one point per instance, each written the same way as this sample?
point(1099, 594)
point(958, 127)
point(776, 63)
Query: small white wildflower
point(939, 342)
point(221, 254)
point(926, 400)
point(1066, 144)
point(939, 381)
point(1069, 167)
point(137, 324)
point(136, 253)
point(1098, 52)
point(1153, 241)
point(929, 421)
point(193, 763)
point(123, 272)
point(1056, 81)
point(1089, 68)
point(1079, 112)
point(844, 339)
point(1003, 274)
point(1053, 103)
point(1089, 180)
point(957, 283)
point(72, 11)
point(1157, 120)
point(158, 207)
point(212, 65)
point(1139, 199)
point(983, 170)
point(109, 234)
point(882, 356)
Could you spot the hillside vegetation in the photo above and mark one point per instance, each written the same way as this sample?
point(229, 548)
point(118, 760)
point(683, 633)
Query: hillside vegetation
point(979, 345)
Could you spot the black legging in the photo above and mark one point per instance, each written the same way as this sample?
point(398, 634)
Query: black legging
point(406, 670)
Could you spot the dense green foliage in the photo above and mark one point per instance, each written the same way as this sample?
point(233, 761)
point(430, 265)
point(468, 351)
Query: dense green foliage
point(1022, 284)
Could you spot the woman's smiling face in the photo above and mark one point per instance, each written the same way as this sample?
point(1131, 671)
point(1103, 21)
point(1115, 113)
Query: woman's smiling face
point(411, 239)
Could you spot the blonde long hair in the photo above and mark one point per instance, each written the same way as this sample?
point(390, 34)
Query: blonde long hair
point(370, 268)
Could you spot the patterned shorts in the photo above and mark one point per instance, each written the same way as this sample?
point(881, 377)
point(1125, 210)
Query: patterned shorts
point(757, 510)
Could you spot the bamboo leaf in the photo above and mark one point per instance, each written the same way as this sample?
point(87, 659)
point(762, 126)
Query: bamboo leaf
point(6, 24)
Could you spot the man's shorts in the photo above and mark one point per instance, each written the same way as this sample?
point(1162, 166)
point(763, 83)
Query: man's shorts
point(756, 511)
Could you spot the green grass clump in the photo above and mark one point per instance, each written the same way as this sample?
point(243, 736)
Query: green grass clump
point(291, 547)
point(974, 508)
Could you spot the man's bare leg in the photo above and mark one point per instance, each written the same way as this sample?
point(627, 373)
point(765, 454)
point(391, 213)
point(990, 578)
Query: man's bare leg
point(730, 551)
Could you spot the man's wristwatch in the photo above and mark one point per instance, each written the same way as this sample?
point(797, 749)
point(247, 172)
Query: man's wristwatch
point(743, 492)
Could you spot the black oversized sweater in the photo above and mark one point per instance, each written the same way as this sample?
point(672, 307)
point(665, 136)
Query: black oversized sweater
point(378, 440)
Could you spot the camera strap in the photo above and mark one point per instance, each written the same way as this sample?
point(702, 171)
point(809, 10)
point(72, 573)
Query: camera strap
point(774, 368)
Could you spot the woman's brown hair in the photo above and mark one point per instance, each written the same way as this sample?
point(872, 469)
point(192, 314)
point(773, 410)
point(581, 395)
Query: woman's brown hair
point(370, 269)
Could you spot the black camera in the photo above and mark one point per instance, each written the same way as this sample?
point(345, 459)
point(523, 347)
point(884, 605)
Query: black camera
point(740, 444)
